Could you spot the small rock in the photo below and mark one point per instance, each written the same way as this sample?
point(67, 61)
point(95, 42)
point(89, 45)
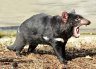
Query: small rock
point(88, 57)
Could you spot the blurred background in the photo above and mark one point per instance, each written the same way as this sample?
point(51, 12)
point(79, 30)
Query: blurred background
point(14, 12)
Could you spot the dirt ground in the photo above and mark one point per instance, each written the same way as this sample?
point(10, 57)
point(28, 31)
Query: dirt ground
point(81, 56)
point(44, 61)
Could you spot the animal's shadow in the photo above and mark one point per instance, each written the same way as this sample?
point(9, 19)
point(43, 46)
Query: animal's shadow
point(80, 53)
point(70, 53)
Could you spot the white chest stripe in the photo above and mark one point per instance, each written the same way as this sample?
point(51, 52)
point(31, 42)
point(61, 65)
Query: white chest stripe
point(56, 39)
point(46, 38)
point(59, 39)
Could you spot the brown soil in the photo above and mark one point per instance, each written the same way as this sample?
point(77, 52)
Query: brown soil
point(80, 59)
point(44, 58)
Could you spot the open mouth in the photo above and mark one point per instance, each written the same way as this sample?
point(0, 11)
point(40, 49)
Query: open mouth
point(76, 32)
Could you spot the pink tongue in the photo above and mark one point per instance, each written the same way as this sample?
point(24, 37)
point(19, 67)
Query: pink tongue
point(76, 32)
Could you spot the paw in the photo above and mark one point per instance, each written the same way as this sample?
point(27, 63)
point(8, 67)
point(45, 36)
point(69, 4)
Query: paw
point(18, 54)
point(65, 62)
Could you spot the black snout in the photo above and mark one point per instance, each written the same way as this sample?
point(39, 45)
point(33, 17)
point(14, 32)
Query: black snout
point(88, 23)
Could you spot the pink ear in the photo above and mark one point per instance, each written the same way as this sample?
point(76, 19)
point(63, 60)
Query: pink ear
point(65, 16)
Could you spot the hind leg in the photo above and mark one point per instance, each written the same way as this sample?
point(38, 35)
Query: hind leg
point(32, 47)
point(18, 44)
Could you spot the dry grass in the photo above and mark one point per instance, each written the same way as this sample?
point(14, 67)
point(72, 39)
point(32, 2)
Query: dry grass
point(7, 33)
point(44, 58)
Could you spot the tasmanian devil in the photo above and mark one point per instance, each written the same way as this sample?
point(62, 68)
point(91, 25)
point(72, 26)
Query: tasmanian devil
point(47, 29)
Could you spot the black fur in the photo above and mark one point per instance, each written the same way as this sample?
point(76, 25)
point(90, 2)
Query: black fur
point(35, 28)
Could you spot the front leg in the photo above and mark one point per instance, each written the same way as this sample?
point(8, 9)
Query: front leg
point(59, 48)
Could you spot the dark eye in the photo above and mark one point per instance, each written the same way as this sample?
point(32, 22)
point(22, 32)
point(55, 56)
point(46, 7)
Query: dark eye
point(77, 19)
